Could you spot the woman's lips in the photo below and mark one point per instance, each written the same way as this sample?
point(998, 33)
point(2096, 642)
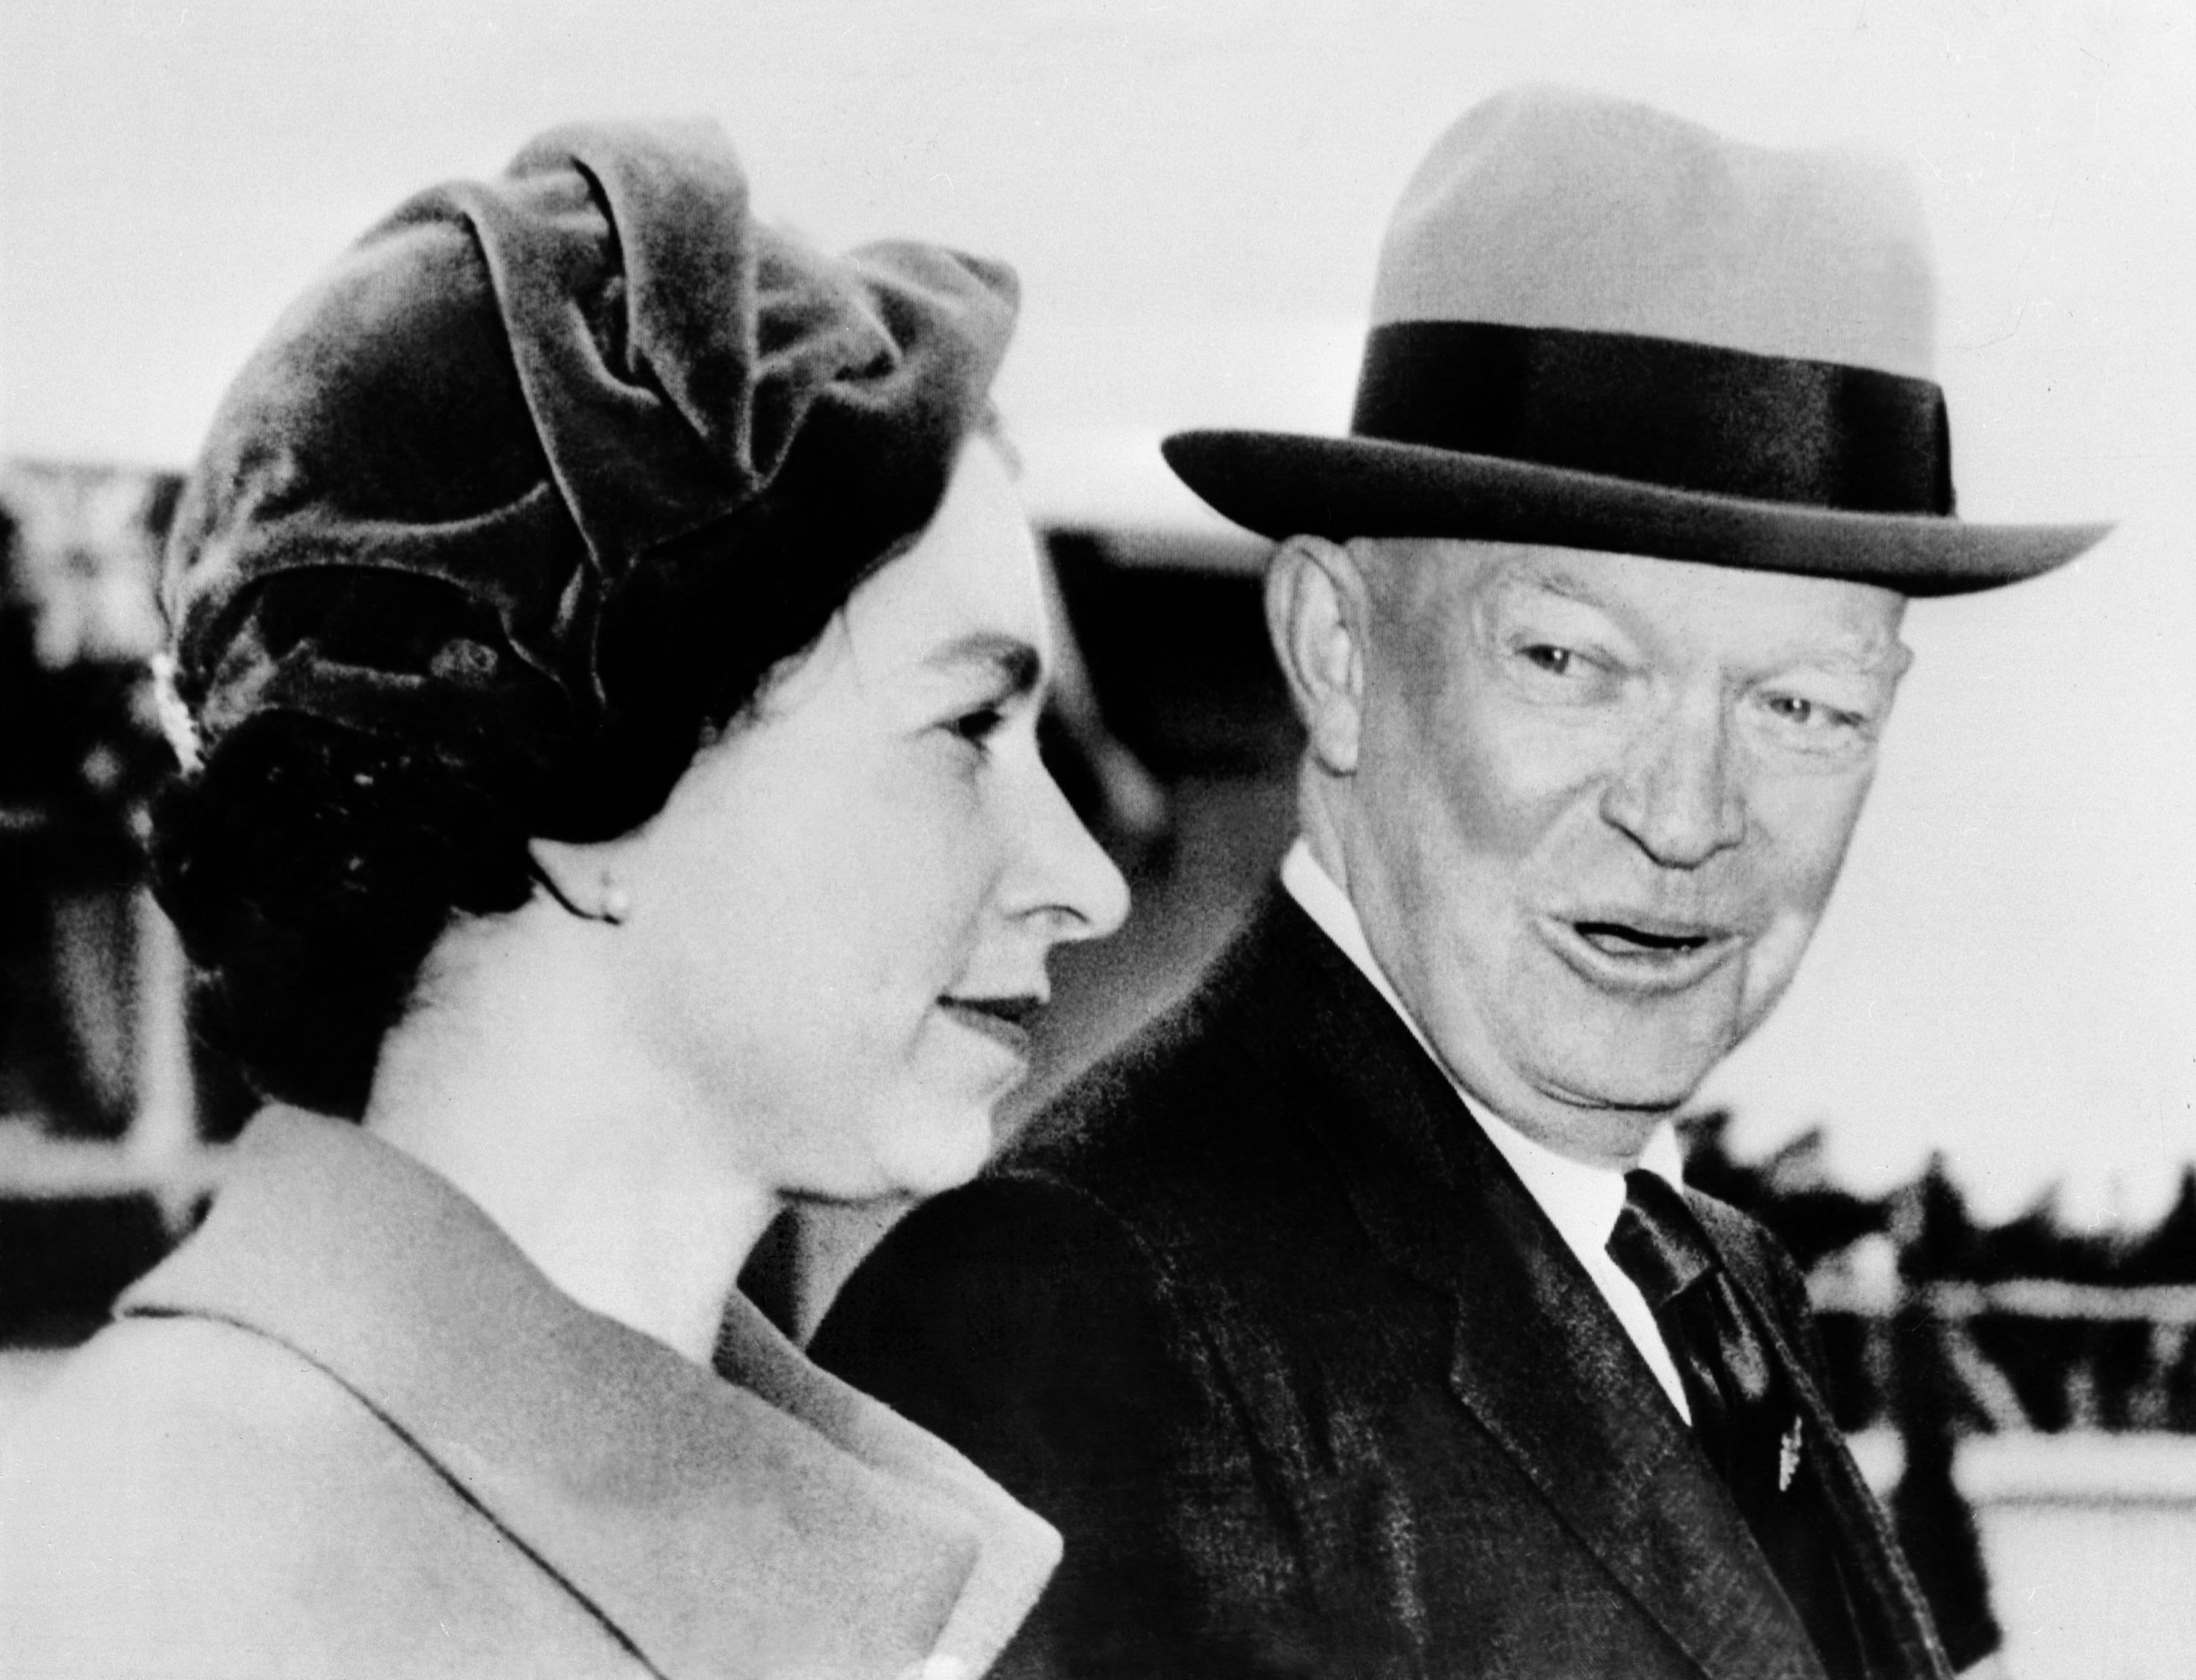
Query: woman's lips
point(1004, 1020)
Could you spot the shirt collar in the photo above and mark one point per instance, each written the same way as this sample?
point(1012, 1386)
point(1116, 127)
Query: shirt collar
point(1581, 1201)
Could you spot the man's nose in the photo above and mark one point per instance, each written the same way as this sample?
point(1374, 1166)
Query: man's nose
point(1676, 793)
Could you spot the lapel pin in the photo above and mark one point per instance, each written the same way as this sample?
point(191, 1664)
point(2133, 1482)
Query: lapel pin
point(1788, 1456)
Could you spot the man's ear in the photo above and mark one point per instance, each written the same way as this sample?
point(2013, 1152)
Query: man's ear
point(1317, 613)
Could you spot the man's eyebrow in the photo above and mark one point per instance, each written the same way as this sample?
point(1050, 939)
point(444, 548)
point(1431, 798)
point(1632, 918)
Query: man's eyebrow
point(1863, 655)
point(1862, 652)
point(1018, 665)
point(1555, 580)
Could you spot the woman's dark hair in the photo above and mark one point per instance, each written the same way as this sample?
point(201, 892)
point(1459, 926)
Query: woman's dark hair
point(310, 866)
point(309, 869)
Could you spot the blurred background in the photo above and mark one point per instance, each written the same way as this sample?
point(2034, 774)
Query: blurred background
point(1974, 1117)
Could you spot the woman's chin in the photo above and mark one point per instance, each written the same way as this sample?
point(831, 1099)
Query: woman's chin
point(914, 1155)
point(942, 1149)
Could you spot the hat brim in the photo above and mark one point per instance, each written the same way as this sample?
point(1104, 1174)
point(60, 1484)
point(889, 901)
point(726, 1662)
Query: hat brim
point(1284, 484)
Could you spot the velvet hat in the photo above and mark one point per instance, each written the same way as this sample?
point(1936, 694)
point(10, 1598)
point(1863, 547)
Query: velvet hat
point(1596, 325)
point(543, 457)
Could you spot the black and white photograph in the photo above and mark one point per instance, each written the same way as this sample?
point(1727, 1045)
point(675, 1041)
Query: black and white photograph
point(1256, 839)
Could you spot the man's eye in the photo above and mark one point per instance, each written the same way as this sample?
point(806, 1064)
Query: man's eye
point(1816, 725)
point(1810, 714)
point(1555, 661)
point(1557, 673)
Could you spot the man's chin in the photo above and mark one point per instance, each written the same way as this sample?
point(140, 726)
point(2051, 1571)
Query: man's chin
point(1649, 1100)
point(1652, 1069)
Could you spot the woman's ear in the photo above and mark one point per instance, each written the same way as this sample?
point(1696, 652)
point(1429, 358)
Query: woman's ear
point(582, 878)
point(1316, 616)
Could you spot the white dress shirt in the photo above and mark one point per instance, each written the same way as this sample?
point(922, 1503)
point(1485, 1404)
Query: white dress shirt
point(1581, 1202)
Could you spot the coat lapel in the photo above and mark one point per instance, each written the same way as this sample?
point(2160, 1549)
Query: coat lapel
point(711, 1530)
point(1537, 1356)
point(1017, 1551)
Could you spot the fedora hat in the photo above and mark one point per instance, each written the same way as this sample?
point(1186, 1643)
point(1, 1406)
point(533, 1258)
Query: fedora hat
point(1596, 325)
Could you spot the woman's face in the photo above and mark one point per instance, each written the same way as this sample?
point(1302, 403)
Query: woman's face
point(838, 924)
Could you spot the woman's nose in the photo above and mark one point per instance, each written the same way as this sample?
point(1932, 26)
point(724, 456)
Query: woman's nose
point(1065, 872)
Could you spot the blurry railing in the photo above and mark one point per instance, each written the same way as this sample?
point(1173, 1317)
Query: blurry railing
point(2024, 1355)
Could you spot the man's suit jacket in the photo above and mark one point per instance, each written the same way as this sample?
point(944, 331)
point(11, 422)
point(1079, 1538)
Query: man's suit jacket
point(1259, 1317)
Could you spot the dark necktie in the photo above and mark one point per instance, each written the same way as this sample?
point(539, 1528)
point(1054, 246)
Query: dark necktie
point(1744, 1414)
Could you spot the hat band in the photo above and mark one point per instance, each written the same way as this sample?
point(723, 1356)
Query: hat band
point(1662, 411)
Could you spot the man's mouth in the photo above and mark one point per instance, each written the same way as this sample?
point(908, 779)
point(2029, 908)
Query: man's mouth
point(1646, 954)
point(1617, 939)
point(1004, 1020)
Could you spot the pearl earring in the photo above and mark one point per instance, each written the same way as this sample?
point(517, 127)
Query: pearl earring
point(615, 905)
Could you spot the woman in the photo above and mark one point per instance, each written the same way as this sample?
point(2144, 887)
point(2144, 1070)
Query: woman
point(613, 652)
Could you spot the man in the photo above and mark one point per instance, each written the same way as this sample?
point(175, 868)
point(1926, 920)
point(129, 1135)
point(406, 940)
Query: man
point(1349, 1321)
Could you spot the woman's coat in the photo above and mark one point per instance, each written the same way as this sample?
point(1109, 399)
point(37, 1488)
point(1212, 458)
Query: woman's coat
point(348, 1428)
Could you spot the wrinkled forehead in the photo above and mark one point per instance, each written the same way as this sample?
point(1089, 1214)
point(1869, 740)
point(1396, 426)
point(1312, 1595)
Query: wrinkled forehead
point(1449, 587)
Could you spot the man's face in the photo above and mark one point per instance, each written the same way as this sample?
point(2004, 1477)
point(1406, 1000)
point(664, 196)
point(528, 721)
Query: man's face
point(1599, 805)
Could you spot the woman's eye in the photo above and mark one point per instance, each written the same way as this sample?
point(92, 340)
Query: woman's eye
point(979, 726)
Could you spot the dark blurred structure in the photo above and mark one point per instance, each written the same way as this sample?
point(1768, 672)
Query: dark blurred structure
point(1175, 674)
point(63, 1259)
point(1972, 1329)
point(97, 1110)
point(80, 754)
point(2042, 1328)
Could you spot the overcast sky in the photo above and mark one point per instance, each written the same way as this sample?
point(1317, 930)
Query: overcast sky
point(1193, 193)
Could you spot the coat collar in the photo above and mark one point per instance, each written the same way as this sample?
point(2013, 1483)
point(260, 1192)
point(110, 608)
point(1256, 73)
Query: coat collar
point(709, 1525)
point(1593, 1430)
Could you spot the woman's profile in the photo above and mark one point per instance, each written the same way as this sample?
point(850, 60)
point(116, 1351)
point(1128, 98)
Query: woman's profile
point(612, 651)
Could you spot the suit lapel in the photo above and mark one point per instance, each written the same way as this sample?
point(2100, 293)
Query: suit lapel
point(1537, 1356)
point(1888, 1591)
